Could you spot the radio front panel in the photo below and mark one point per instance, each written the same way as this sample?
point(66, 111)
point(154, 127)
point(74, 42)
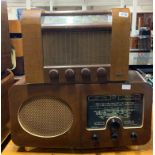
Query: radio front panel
point(73, 40)
point(128, 108)
point(81, 116)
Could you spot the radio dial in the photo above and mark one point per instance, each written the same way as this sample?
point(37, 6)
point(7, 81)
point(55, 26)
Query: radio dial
point(54, 74)
point(85, 72)
point(70, 74)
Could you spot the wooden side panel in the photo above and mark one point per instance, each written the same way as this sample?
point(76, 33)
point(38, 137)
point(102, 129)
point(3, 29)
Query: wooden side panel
point(120, 44)
point(32, 45)
point(5, 42)
point(6, 83)
point(14, 26)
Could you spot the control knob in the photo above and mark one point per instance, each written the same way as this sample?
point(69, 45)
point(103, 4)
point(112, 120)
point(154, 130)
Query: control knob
point(114, 125)
point(70, 74)
point(54, 74)
point(101, 74)
point(86, 73)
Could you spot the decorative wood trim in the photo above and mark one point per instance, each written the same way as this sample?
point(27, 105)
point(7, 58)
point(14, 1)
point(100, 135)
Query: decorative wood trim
point(120, 45)
point(32, 43)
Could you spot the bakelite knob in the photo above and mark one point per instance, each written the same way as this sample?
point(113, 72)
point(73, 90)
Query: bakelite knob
point(70, 74)
point(86, 73)
point(94, 137)
point(134, 136)
point(101, 75)
point(114, 124)
point(54, 74)
point(114, 136)
point(101, 72)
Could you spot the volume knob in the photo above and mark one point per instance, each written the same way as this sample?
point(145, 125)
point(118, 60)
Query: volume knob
point(70, 74)
point(85, 73)
point(54, 74)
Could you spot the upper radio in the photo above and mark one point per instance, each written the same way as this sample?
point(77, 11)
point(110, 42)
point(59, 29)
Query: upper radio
point(76, 47)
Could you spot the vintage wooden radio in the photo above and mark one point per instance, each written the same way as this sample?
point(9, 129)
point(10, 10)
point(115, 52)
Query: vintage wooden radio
point(76, 47)
point(81, 115)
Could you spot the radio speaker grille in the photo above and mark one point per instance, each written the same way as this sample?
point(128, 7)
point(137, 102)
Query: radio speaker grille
point(45, 117)
point(76, 47)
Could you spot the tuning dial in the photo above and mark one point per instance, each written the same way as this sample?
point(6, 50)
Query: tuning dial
point(86, 74)
point(70, 74)
point(101, 73)
point(54, 74)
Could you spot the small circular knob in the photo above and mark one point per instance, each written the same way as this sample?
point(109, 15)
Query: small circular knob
point(94, 137)
point(114, 124)
point(114, 136)
point(133, 136)
point(85, 72)
point(70, 74)
point(101, 72)
point(101, 75)
point(54, 74)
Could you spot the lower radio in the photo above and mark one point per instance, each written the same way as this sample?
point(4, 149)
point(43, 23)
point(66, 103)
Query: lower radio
point(81, 116)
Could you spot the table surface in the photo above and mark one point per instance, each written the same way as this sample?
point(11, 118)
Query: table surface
point(12, 149)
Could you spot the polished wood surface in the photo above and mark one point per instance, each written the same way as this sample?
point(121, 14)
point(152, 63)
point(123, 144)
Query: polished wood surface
point(32, 43)
point(5, 41)
point(12, 149)
point(74, 95)
point(15, 26)
point(120, 45)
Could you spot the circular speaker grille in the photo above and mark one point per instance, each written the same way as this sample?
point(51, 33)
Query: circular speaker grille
point(45, 117)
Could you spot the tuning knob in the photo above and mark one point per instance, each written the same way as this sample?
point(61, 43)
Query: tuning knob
point(86, 74)
point(114, 125)
point(101, 74)
point(70, 74)
point(54, 74)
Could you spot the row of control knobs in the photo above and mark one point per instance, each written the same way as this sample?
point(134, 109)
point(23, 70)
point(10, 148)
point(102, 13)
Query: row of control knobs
point(114, 124)
point(70, 74)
